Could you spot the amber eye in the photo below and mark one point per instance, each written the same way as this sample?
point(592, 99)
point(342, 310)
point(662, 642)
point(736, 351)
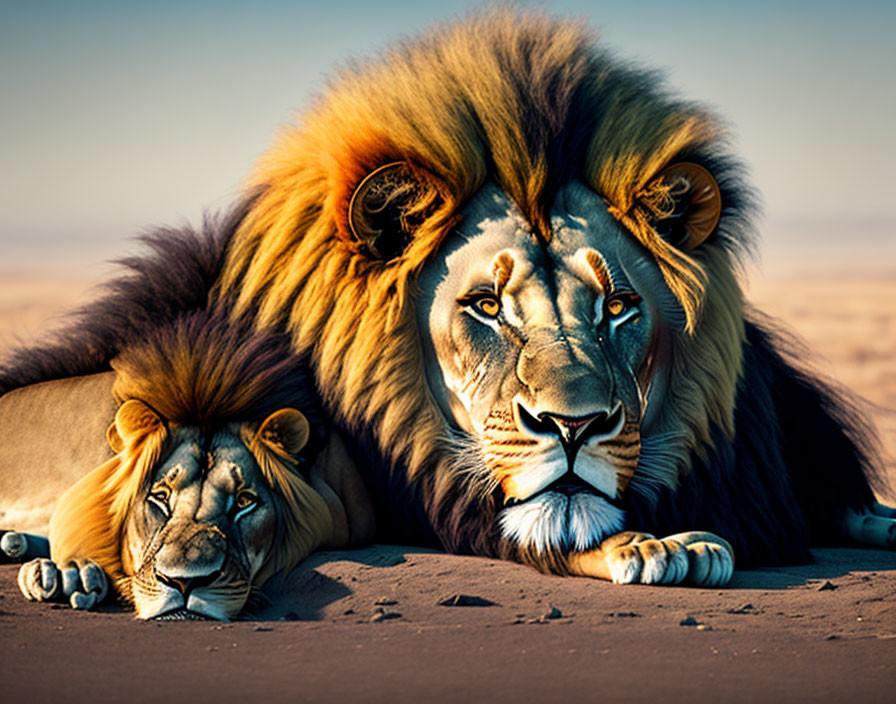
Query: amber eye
point(487, 306)
point(244, 500)
point(619, 304)
point(615, 306)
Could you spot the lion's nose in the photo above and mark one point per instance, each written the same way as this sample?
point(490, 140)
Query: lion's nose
point(573, 431)
point(187, 584)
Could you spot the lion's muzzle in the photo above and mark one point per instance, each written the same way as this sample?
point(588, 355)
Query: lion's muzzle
point(190, 551)
point(573, 431)
point(185, 585)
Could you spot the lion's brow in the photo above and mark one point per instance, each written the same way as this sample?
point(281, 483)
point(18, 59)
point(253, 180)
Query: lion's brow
point(236, 472)
point(502, 269)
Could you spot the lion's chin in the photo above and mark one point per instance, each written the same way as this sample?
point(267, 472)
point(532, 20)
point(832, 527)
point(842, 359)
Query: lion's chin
point(554, 521)
point(196, 609)
point(182, 615)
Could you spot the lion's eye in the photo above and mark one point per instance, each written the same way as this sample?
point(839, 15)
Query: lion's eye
point(160, 496)
point(615, 306)
point(489, 306)
point(244, 500)
point(619, 304)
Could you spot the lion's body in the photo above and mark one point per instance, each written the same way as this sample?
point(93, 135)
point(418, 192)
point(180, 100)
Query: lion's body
point(35, 471)
point(218, 481)
point(527, 159)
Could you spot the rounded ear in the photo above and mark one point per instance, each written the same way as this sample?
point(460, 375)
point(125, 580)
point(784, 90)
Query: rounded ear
point(377, 210)
point(114, 439)
point(285, 432)
point(696, 204)
point(133, 419)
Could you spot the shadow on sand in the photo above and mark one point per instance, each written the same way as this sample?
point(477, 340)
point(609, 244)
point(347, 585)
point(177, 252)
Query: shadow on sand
point(303, 593)
point(830, 563)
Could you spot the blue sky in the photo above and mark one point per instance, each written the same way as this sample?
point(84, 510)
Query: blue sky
point(119, 115)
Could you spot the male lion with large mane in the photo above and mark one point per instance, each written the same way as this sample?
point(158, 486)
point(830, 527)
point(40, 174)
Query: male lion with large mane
point(512, 260)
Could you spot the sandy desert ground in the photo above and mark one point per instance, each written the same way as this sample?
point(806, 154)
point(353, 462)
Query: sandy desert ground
point(822, 632)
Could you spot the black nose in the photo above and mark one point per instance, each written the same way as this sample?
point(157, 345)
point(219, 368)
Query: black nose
point(573, 431)
point(187, 584)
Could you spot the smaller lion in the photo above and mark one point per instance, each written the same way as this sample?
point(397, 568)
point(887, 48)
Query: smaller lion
point(223, 477)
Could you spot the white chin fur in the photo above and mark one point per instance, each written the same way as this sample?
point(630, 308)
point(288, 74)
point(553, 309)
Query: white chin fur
point(167, 600)
point(213, 610)
point(540, 470)
point(170, 600)
point(554, 521)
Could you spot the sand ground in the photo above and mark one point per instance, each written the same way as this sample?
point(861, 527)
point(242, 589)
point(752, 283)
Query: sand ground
point(823, 632)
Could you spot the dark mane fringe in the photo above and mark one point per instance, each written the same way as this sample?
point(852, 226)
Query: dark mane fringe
point(829, 442)
point(174, 277)
point(803, 451)
point(207, 369)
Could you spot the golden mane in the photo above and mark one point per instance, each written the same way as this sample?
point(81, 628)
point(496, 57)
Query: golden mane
point(89, 520)
point(529, 102)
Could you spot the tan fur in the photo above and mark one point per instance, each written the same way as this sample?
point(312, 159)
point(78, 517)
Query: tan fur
point(34, 473)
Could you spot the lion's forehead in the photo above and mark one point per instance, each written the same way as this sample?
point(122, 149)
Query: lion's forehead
point(492, 224)
point(221, 463)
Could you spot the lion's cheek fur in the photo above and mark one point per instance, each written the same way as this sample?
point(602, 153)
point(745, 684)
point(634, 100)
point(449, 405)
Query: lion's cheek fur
point(258, 540)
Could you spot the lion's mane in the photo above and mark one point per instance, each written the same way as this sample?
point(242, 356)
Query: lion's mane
point(207, 371)
point(172, 276)
point(530, 102)
point(748, 444)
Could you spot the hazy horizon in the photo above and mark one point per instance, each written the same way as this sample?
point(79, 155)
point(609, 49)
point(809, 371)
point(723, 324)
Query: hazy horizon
point(120, 117)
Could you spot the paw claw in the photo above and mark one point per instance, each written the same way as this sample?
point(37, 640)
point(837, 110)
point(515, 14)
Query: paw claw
point(39, 580)
point(70, 580)
point(48, 584)
point(82, 601)
point(710, 565)
point(679, 565)
point(93, 580)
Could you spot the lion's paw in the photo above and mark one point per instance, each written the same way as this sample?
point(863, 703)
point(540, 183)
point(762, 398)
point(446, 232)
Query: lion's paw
point(649, 561)
point(83, 585)
point(709, 565)
point(875, 527)
point(710, 558)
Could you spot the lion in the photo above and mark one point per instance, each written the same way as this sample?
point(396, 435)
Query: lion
point(512, 260)
point(220, 479)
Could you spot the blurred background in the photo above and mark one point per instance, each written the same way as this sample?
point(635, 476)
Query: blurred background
point(116, 116)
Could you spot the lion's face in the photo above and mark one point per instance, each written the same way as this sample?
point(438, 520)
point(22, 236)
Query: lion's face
point(200, 532)
point(544, 352)
point(204, 525)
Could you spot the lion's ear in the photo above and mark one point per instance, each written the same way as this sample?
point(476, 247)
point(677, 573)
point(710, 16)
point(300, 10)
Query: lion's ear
point(285, 432)
point(114, 439)
point(689, 204)
point(377, 211)
point(133, 419)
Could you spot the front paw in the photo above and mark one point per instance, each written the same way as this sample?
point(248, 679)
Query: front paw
point(875, 526)
point(639, 558)
point(83, 584)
